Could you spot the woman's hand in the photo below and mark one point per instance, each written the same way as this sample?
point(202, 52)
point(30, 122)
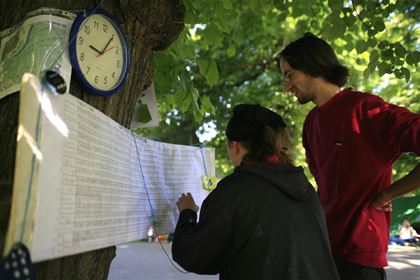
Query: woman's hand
point(186, 201)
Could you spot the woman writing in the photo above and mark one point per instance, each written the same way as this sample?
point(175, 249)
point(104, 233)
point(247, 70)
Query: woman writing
point(264, 220)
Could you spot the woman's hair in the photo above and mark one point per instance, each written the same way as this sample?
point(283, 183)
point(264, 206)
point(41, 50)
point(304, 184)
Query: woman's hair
point(315, 57)
point(276, 141)
point(260, 131)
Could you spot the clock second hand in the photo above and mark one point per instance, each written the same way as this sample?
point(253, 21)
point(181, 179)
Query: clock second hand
point(98, 55)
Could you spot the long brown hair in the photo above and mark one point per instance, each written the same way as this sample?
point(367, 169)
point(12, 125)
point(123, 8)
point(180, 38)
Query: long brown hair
point(276, 141)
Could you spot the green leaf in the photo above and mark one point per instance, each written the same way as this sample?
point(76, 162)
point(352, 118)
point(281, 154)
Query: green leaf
point(350, 20)
point(361, 46)
point(371, 33)
point(223, 16)
point(185, 83)
point(183, 100)
point(416, 56)
point(238, 38)
point(195, 96)
point(413, 58)
point(164, 60)
point(398, 61)
point(307, 3)
point(203, 66)
point(398, 73)
point(333, 18)
point(212, 34)
point(406, 73)
point(209, 70)
point(374, 55)
point(335, 5)
point(372, 42)
point(213, 74)
point(206, 105)
point(198, 116)
point(338, 30)
point(400, 51)
point(383, 44)
point(379, 25)
point(231, 51)
point(384, 68)
point(170, 99)
point(387, 54)
point(410, 59)
point(367, 72)
point(184, 51)
point(227, 4)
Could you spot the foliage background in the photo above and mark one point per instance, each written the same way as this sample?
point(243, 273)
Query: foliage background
point(225, 56)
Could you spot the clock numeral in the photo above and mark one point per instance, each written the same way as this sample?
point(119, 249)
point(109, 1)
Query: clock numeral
point(87, 29)
point(105, 80)
point(96, 79)
point(113, 75)
point(96, 25)
point(82, 56)
point(80, 40)
point(118, 64)
point(117, 49)
point(88, 69)
point(105, 27)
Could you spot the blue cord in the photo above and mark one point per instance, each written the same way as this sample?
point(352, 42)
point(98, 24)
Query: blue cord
point(144, 181)
point(204, 160)
point(201, 146)
point(151, 208)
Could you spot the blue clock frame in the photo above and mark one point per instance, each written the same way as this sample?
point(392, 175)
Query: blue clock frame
point(81, 17)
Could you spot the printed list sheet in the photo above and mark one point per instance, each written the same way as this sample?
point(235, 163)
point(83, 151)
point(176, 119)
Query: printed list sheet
point(94, 183)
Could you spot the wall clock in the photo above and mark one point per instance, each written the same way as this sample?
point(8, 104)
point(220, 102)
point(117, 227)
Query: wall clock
point(98, 52)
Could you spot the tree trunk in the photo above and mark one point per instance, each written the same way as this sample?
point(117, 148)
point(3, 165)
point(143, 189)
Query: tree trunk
point(150, 25)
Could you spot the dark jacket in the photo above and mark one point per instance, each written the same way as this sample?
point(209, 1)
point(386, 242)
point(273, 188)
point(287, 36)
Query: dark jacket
point(264, 221)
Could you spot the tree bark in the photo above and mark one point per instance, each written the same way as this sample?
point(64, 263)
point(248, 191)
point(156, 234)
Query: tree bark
point(149, 25)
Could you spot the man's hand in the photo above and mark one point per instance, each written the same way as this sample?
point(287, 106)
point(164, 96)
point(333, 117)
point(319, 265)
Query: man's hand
point(381, 203)
point(186, 201)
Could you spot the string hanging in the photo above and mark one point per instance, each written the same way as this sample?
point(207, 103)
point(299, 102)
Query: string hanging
point(151, 207)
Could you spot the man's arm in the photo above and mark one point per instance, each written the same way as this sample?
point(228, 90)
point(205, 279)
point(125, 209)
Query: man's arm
point(403, 186)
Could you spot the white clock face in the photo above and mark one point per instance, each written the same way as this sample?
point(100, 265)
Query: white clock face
point(99, 52)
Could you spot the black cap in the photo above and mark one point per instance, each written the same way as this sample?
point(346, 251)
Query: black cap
point(248, 121)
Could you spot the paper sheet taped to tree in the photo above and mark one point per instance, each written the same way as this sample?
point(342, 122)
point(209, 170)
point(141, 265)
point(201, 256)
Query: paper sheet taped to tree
point(90, 183)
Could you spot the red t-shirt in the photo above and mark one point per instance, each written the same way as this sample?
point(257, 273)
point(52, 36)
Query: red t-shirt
point(351, 143)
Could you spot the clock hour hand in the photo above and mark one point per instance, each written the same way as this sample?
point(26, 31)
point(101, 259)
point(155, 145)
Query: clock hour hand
point(95, 49)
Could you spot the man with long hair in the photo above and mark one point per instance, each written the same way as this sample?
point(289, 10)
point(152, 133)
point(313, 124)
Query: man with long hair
point(351, 139)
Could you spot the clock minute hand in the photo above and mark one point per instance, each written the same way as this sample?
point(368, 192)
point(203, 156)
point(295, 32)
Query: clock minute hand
point(107, 44)
point(95, 49)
